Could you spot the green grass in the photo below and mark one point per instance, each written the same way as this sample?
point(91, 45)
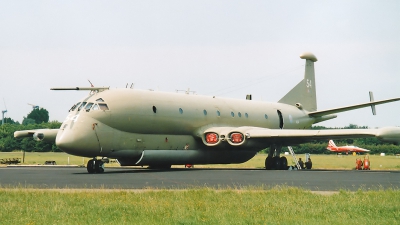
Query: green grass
point(249, 205)
point(199, 206)
point(319, 161)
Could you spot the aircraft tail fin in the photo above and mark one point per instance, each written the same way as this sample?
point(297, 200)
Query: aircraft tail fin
point(331, 144)
point(304, 93)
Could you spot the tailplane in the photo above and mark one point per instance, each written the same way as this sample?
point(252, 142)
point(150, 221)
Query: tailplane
point(304, 93)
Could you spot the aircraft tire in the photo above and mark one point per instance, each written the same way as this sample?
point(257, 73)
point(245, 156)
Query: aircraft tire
point(99, 166)
point(283, 163)
point(277, 163)
point(90, 166)
point(268, 163)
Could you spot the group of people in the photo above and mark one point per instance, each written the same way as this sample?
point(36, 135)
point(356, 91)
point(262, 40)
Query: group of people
point(307, 165)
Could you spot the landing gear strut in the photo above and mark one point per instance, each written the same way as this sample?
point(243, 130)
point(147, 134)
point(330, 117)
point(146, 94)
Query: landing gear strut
point(95, 166)
point(273, 161)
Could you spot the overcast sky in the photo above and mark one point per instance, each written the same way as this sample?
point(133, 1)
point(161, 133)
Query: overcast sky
point(223, 48)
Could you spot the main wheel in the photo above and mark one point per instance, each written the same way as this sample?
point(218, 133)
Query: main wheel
point(99, 166)
point(283, 163)
point(90, 166)
point(268, 163)
point(277, 163)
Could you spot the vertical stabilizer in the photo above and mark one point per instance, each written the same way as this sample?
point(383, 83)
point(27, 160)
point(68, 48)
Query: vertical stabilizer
point(331, 144)
point(305, 91)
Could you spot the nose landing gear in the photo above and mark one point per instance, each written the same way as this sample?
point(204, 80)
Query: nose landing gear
point(95, 166)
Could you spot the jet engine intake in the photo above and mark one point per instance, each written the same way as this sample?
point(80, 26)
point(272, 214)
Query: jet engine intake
point(236, 138)
point(46, 135)
point(211, 138)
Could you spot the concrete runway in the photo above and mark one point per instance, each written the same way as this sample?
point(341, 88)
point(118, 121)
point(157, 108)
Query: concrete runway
point(138, 178)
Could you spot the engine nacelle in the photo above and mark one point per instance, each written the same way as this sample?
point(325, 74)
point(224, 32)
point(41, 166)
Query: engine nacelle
point(234, 136)
point(46, 135)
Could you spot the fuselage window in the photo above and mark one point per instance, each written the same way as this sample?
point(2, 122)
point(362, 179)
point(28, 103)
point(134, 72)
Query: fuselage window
point(239, 114)
point(154, 109)
point(205, 112)
point(83, 105)
point(180, 110)
point(232, 114)
point(103, 106)
point(95, 107)
point(266, 116)
point(218, 113)
point(88, 106)
point(99, 100)
point(74, 106)
point(246, 115)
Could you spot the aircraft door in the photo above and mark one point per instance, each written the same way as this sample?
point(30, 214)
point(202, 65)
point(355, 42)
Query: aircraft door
point(280, 119)
point(105, 137)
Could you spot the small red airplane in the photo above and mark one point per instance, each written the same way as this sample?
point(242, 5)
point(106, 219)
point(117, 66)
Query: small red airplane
point(332, 147)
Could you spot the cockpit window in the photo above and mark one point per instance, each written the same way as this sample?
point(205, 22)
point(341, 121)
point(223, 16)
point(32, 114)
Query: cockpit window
point(103, 106)
point(88, 106)
point(95, 107)
point(74, 106)
point(80, 107)
point(99, 100)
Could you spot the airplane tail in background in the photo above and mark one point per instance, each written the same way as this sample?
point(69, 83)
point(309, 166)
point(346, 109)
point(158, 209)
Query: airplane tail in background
point(331, 144)
point(304, 92)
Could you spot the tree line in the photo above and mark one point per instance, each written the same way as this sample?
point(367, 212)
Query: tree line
point(38, 118)
point(8, 143)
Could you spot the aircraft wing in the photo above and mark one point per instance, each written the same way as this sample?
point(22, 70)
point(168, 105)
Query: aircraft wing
point(348, 108)
point(47, 135)
point(237, 136)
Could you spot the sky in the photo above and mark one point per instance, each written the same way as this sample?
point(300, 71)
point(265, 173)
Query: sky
point(220, 48)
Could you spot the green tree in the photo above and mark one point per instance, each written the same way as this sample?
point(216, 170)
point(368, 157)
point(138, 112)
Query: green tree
point(27, 121)
point(10, 121)
point(39, 115)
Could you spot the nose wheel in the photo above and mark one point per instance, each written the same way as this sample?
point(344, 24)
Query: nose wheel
point(95, 166)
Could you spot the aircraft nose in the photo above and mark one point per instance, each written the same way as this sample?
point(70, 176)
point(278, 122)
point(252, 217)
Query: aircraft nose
point(65, 141)
point(75, 144)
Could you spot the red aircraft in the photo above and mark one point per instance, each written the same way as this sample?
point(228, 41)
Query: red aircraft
point(332, 147)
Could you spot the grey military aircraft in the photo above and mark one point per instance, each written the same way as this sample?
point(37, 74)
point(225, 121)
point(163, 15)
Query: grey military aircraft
point(160, 129)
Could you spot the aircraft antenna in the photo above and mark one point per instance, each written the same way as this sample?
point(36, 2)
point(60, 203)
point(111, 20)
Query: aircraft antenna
point(91, 85)
point(132, 85)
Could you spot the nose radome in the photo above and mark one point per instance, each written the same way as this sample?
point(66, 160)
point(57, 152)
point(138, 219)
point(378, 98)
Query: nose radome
point(65, 141)
point(76, 143)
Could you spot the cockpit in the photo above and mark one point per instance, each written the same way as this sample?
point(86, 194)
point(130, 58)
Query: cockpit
point(90, 106)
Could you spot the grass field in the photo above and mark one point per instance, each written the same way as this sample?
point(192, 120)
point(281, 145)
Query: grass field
point(249, 205)
point(198, 206)
point(319, 161)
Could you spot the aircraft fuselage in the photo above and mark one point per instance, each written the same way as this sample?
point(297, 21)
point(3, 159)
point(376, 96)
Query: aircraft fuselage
point(137, 120)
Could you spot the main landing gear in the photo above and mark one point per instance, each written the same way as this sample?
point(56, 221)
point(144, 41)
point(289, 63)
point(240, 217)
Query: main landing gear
point(273, 161)
point(95, 166)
